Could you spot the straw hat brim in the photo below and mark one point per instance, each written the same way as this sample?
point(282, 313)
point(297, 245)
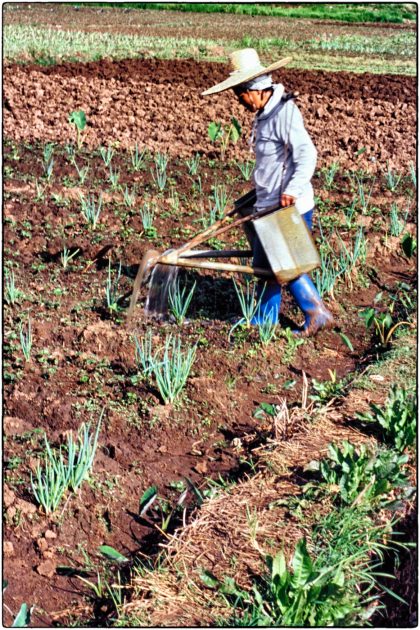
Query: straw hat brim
point(236, 78)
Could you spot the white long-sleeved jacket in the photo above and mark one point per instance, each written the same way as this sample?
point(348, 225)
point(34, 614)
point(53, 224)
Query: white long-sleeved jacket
point(281, 122)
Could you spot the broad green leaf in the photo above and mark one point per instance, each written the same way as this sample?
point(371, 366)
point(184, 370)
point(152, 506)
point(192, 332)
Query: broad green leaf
point(147, 499)
point(78, 118)
point(346, 340)
point(23, 617)
point(209, 579)
point(112, 554)
point(235, 130)
point(214, 130)
point(302, 564)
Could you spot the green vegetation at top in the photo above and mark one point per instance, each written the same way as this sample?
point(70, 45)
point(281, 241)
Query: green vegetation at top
point(369, 12)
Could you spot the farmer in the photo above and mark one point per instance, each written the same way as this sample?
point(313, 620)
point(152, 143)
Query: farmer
point(285, 164)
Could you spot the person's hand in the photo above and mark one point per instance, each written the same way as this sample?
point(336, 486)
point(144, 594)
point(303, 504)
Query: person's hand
point(287, 200)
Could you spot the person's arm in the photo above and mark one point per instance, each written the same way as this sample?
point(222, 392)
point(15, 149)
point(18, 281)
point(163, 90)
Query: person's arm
point(302, 151)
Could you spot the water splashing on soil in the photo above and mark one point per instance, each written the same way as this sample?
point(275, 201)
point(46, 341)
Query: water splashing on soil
point(161, 280)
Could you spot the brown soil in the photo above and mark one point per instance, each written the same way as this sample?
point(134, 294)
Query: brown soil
point(83, 358)
point(158, 104)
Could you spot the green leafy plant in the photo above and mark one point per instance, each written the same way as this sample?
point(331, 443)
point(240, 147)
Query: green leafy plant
point(382, 323)
point(267, 328)
point(91, 209)
point(78, 118)
point(82, 172)
point(398, 418)
point(360, 474)
point(327, 390)
point(306, 595)
point(150, 499)
point(292, 344)
point(224, 134)
point(180, 300)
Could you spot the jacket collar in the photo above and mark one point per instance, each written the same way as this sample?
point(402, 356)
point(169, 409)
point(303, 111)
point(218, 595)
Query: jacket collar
point(278, 91)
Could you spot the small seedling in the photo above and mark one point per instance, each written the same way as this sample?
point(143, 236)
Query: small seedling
point(160, 175)
point(147, 215)
point(78, 118)
point(382, 323)
point(172, 370)
point(267, 327)
point(106, 154)
point(224, 134)
point(327, 390)
point(329, 173)
point(392, 179)
point(111, 290)
point(91, 209)
point(193, 164)
point(66, 257)
point(26, 339)
point(246, 169)
point(249, 302)
point(129, 197)
point(138, 157)
point(82, 172)
point(12, 294)
point(114, 178)
point(292, 343)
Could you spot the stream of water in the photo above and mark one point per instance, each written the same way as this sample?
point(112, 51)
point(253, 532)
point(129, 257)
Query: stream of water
point(161, 279)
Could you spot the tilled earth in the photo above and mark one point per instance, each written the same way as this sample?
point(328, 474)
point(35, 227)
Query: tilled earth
point(84, 359)
point(158, 104)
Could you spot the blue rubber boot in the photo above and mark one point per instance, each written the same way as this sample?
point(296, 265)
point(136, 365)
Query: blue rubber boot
point(317, 316)
point(270, 295)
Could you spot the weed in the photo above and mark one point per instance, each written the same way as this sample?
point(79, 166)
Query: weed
point(179, 300)
point(383, 325)
point(327, 390)
point(91, 209)
point(397, 418)
point(26, 339)
point(360, 475)
point(292, 343)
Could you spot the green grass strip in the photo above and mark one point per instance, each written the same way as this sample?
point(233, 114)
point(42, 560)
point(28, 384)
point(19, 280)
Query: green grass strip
point(394, 54)
point(369, 12)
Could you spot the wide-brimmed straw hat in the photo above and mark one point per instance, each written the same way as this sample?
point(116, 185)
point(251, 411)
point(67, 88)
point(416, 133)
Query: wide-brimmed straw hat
point(246, 65)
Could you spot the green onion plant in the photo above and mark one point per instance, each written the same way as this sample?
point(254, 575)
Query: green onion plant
point(106, 153)
point(160, 175)
point(26, 339)
point(179, 300)
point(91, 209)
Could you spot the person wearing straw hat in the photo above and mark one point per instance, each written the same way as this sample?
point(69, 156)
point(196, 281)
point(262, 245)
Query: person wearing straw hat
point(285, 163)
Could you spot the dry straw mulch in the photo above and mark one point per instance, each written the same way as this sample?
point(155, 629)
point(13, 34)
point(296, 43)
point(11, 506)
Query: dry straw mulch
point(234, 531)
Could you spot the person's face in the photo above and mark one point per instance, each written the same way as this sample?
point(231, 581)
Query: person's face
point(250, 99)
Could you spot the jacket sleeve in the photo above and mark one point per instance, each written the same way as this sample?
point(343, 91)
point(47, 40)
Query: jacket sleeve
point(302, 153)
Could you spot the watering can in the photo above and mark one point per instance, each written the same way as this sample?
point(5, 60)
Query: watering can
point(282, 232)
